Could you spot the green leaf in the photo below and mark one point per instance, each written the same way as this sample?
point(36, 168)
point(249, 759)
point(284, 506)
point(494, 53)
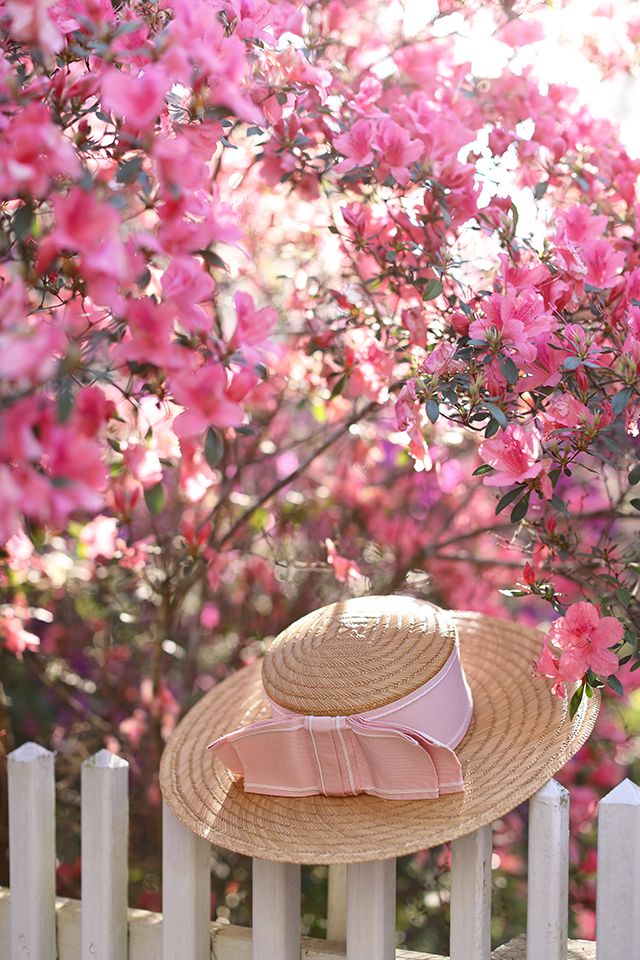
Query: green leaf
point(621, 399)
point(507, 499)
point(22, 220)
point(497, 414)
point(491, 429)
point(64, 400)
point(572, 363)
point(433, 410)
point(212, 259)
point(213, 447)
point(636, 666)
point(540, 189)
point(481, 471)
point(509, 370)
point(519, 512)
point(433, 288)
point(154, 499)
point(634, 475)
point(615, 685)
point(339, 385)
point(576, 700)
point(129, 170)
point(559, 505)
point(635, 503)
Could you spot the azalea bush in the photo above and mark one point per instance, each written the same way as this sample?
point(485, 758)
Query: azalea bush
point(299, 301)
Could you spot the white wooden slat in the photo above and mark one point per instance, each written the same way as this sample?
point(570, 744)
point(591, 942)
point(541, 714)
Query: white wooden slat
point(32, 853)
point(470, 937)
point(337, 903)
point(276, 910)
point(105, 841)
point(548, 871)
point(371, 910)
point(186, 892)
point(618, 879)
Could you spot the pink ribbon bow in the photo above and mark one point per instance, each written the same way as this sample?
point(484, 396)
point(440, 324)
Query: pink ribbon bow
point(403, 751)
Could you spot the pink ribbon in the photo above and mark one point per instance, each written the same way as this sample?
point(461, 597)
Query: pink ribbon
point(403, 751)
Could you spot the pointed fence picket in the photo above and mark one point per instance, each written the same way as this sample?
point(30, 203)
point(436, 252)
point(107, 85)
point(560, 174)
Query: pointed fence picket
point(361, 901)
point(104, 838)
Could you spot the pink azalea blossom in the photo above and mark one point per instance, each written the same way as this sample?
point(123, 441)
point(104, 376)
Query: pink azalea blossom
point(397, 151)
point(33, 152)
point(513, 321)
point(252, 326)
point(603, 263)
point(98, 537)
point(31, 22)
point(583, 638)
point(15, 638)
point(514, 454)
point(139, 99)
point(356, 146)
point(345, 570)
point(204, 394)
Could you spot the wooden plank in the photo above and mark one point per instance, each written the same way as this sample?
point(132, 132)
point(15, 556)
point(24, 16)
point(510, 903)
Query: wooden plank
point(618, 881)
point(32, 852)
point(105, 841)
point(229, 942)
point(186, 892)
point(276, 910)
point(471, 896)
point(337, 903)
point(371, 910)
point(548, 871)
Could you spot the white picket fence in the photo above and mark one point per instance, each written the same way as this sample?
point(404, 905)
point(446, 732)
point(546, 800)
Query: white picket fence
point(361, 913)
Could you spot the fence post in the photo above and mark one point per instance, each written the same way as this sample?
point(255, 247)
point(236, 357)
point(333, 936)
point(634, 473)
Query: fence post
point(618, 878)
point(371, 910)
point(186, 892)
point(471, 896)
point(337, 903)
point(276, 910)
point(32, 852)
point(548, 871)
point(105, 836)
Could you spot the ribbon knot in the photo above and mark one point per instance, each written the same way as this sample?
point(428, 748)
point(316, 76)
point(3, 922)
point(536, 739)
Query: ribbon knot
point(403, 751)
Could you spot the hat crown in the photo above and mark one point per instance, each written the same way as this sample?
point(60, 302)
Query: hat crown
point(357, 655)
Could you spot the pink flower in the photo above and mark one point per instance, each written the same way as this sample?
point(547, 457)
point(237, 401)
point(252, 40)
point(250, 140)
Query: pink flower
point(15, 638)
point(139, 99)
point(584, 639)
point(98, 537)
point(90, 227)
point(31, 354)
point(31, 23)
point(397, 151)
point(150, 332)
point(345, 570)
point(187, 285)
point(514, 454)
point(513, 321)
point(209, 616)
point(204, 394)
point(33, 152)
point(356, 146)
point(602, 263)
point(252, 326)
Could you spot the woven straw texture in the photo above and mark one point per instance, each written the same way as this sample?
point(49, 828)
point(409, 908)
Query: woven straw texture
point(520, 736)
point(357, 655)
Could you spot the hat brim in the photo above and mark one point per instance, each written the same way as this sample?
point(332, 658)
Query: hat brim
point(520, 736)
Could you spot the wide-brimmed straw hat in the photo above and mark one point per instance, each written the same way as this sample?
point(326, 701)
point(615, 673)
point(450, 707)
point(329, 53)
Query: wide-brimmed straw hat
point(372, 664)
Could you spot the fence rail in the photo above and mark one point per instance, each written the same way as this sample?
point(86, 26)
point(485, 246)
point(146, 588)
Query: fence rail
point(361, 896)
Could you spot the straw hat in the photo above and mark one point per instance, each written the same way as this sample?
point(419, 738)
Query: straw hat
point(357, 656)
